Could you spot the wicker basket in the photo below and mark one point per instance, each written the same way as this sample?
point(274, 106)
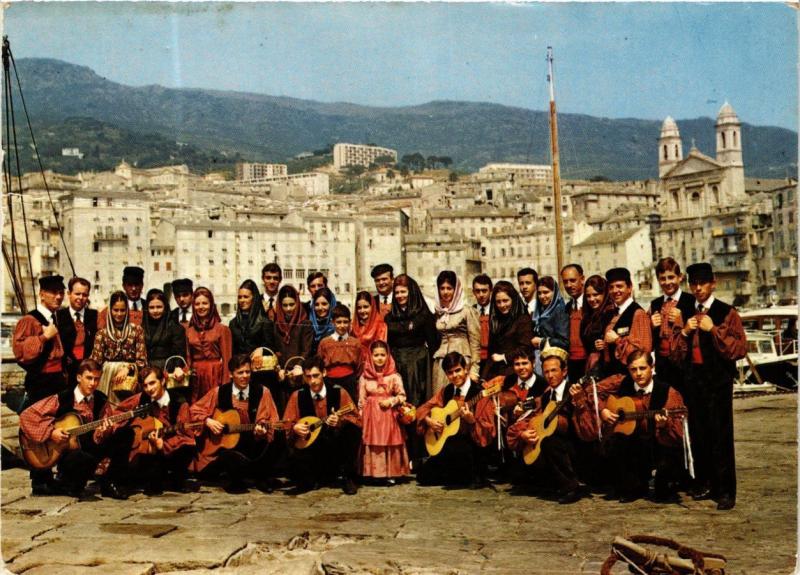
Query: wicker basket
point(294, 382)
point(173, 383)
point(131, 382)
point(268, 362)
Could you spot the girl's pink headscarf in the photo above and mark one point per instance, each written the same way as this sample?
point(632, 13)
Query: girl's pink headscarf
point(371, 372)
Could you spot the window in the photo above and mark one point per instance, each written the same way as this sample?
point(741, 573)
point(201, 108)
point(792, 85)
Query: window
point(168, 266)
point(155, 266)
point(96, 247)
point(94, 202)
point(210, 233)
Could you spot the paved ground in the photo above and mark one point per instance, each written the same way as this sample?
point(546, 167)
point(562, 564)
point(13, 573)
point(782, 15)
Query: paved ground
point(407, 529)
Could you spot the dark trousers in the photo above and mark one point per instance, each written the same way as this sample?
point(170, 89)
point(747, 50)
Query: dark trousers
point(159, 467)
point(76, 468)
point(348, 383)
point(634, 458)
point(334, 452)
point(460, 462)
point(555, 466)
point(246, 461)
point(671, 373)
point(709, 398)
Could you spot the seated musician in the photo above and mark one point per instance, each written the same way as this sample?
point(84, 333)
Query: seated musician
point(170, 456)
point(523, 384)
point(254, 404)
point(654, 444)
point(462, 458)
point(76, 467)
point(334, 452)
point(558, 454)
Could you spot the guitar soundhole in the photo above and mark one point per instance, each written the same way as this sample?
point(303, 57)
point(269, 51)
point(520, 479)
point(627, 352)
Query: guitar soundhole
point(621, 415)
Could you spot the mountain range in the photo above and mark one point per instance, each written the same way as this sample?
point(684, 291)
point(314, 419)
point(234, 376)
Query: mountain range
point(72, 106)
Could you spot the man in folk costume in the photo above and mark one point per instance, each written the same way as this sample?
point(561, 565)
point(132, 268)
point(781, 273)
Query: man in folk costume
point(558, 455)
point(76, 467)
point(271, 277)
point(572, 279)
point(77, 326)
point(132, 285)
point(182, 292)
point(655, 444)
point(482, 290)
point(254, 404)
point(709, 345)
point(167, 463)
point(523, 384)
point(383, 276)
point(668, 314)
point(629, 329)
point(334, 453)
point(462, 458)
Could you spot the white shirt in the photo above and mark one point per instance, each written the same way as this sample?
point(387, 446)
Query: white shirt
point(139, 301)
point(528, 383)
point(80, 312)
point(188, 314)
point(464, 389)
point(235, 391)
point(79, 397)
point(531, 305)
point(163, 401)
point(676, 296)
point(322, 393)
point(48, 315)
point(648, 389)
point(559, 390)
point(706, 304)
point(380, 298)
point(625, 305)
point(482, 309)
point(338, 337)
point(578, 301)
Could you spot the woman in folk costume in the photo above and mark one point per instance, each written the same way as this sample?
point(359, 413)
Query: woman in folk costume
point(597, 313)
point(163, 338)
point(209, 345)
point(368, 325)
point(293, 338)
point(412, 337)
point(118, 345)
point(509, 329)
point(551, 321)
point(321, 323)
point(458, 326)
point(383, 452)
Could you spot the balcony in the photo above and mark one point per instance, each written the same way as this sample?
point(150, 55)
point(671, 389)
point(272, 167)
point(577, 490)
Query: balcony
point(730, 264)
point(110, 237)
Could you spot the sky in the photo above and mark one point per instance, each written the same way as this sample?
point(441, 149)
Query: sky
point(618, 60)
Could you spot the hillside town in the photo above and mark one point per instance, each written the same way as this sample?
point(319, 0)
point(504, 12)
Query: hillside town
point(174, 223)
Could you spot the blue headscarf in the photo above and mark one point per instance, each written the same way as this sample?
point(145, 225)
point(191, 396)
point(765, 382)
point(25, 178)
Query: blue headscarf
point(555, 303)
point(322, 327)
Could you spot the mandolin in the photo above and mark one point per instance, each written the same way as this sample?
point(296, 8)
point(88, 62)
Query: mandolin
point(450, 416)
point(545, 425)
point(229, 438)
point(625, 408)
point(46, 454)
point(315, 426)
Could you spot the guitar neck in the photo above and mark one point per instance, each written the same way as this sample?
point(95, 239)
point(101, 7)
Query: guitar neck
point(91, 426)
point(245, 427)
point(648, 413)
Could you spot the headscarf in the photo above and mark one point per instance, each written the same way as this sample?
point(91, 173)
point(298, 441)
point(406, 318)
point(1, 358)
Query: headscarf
point(457, 303)
point(555, 303)
point(416, 301)
point(118, 296)
point(594, 322)
point(499, 323)
point(371, 372)
point(284, 324)
point(322, 327)
point(155, 329)
point(375, 328)
point(212, 319)
point(248, 323)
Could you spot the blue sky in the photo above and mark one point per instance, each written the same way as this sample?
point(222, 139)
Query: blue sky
point(616, 60)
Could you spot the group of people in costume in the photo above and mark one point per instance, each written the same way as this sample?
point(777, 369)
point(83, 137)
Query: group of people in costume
point(561, 386)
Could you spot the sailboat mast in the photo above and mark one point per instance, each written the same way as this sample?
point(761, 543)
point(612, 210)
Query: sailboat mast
point(555, 163)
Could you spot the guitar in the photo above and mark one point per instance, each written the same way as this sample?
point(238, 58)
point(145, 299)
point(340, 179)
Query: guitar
point(545, 425)
point(625, 408)
point(315, 426)
point(450, 416)
point(229, 438)
point(145, 428)
point(46, 454)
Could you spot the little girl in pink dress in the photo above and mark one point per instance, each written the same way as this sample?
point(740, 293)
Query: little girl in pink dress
point(383, 448)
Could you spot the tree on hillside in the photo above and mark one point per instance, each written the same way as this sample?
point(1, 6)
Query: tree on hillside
point(453, 177)
point(390, 174)
point(445, 161)
point(432, 161)
point(404, 171)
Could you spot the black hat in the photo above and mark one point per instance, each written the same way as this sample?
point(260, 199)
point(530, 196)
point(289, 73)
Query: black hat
point(182, 286)
point(701, 272)
point(52, 283)
point(381, 269)
point(618, 274)
point(132, 275)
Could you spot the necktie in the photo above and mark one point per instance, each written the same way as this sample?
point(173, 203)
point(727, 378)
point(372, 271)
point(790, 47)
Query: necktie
point(640, 393)
point(317, 397)
point(701, 308)
point(183, 315)
point(53, 318)
point(269, 303)
point(241, 396)
point(483, 310)
point(385, 299)
point(77, 317)
point(136, 305)
point(87, 400)
point(458, 392)
point(553, 396)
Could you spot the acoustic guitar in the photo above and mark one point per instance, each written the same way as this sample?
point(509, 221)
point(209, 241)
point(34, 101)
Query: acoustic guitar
point(145, 428)
point(315, 426)
point(46, 454)
point(625, 409)
point(229, 438)
point(545, 425)
point(450, 416)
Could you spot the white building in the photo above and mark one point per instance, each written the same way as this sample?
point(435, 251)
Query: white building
point(245, 171)
point(379, 239)
point(428, 254)
point(359, 155)
point(629, 248)
point(534, 172)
